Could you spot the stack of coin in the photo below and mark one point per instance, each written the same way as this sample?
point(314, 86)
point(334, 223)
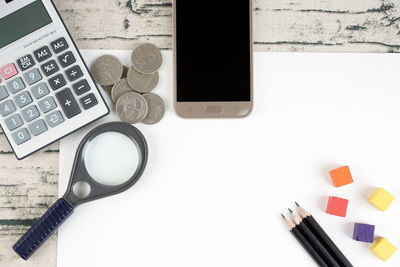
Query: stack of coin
point(130, 88)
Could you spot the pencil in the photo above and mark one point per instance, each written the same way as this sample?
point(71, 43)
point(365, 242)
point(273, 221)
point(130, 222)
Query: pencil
point(323, 237)
point(303, 242)
point(314, 242)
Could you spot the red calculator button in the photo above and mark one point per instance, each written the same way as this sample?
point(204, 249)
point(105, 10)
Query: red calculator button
point(8, 71)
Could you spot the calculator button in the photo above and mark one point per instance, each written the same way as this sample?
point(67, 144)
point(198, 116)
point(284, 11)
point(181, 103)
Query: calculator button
point(47, 104)
point(23, 99)
point(74, 73)
point(50, 68)
point(13, 122)
point(21, 136)
point(57, 82)
point(7, 108)
point(81, 87)
point(54, 119)
point(3, 92)
point(88, 101)
point(30, 113)
point(42, 54)
point(38, 127)
point(15, 85)
point(66, 59)
point(32, 76)
point(68, 103)
point(40, 90)
point(8, 71)
point(59, 45)
point(26, 62)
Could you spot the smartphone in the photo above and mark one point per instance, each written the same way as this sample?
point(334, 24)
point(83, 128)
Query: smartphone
point(213, 59)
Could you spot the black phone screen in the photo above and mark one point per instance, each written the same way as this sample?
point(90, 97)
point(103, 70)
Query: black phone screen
point(213, 51)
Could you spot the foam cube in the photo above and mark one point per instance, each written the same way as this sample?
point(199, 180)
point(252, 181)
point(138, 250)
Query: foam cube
point(364, 232)
point(337, 206)
point(381, 199)
point(341, 176)
point(383, 248)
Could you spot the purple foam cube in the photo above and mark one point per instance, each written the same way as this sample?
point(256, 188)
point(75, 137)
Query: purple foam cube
point(364, 232)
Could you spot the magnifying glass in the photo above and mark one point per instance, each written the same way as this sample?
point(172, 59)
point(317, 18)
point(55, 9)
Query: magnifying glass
point(109, 160)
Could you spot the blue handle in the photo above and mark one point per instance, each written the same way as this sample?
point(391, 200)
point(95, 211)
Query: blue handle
point(42, 229)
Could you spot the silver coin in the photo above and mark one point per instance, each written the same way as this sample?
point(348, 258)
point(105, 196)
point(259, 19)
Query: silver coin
point(120, 88)
point(146, 58)
point(142, 83)
point(156, 109)
point(108, 88)
point(125, 72)
point(107, 70)
point(132, 107)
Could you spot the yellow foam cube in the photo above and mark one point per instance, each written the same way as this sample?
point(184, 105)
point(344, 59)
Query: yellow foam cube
point(381, 199)
point(383, 248)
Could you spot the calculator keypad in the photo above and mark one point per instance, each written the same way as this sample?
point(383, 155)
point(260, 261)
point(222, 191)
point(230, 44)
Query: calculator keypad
point(47, 104)
point(27, 103)
point(40, 90)
point(23, 99)
point(32, 76)
point(38, 127)
point(50, 68)
point(42, 54)
point(13, 122)
point(68, 103)
point(6, 108)
point(66, 59)
point(54, 119)
point(8, 71)
point(21, 136)
point(74, 73)
point(59, 45)
point(15, 85)
point(3, 92)
point(30, 113)
point(26, 62)
point(57, 82)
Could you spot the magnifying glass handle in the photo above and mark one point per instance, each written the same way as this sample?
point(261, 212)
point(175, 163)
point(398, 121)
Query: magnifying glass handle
point(43, 228)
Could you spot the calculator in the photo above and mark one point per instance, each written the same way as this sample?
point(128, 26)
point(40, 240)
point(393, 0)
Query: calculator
point(46, 90)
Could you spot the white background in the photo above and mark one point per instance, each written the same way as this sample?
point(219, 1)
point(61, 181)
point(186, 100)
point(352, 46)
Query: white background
point(213, 190)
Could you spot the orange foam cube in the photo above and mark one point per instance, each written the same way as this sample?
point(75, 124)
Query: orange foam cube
point(341, 176)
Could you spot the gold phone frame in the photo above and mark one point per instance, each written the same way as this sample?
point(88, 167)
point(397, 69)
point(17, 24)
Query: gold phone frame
point(217, 109)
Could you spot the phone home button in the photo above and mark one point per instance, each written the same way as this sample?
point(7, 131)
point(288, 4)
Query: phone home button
point(213, 109)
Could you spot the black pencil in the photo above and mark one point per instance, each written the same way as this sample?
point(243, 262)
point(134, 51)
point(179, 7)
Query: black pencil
point(315, 243)
point(323, 237)
point(304, 243)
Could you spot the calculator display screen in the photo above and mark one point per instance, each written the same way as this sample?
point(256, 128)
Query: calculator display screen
point(23, 22)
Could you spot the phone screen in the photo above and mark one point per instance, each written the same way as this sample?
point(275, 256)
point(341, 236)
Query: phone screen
point(213, 51)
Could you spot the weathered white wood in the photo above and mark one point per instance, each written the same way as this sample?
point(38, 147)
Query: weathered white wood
point(28, 187)
point(279, 25)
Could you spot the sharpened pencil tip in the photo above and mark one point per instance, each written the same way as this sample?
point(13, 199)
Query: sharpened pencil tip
point(291, 211)
point(297, 204)
point(283, 216)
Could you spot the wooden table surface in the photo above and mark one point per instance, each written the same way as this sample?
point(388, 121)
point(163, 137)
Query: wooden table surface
point(28, 187)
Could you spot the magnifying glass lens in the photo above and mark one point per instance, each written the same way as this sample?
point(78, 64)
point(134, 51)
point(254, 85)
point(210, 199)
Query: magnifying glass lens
point(111, 158)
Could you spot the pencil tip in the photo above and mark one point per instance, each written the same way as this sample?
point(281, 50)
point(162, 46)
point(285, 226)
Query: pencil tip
point(291, 211)
point(297, 204)
point(283, 216)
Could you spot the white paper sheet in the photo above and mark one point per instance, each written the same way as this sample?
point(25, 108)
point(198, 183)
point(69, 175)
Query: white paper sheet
point(213, 190)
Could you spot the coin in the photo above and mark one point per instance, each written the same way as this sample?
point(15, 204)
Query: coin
point(156, 109)
point(142, 83)
point(146, 58)
point(132, 107)
point(108, 88)
point(120, 88)
point(125, 72)
point(107, 70)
